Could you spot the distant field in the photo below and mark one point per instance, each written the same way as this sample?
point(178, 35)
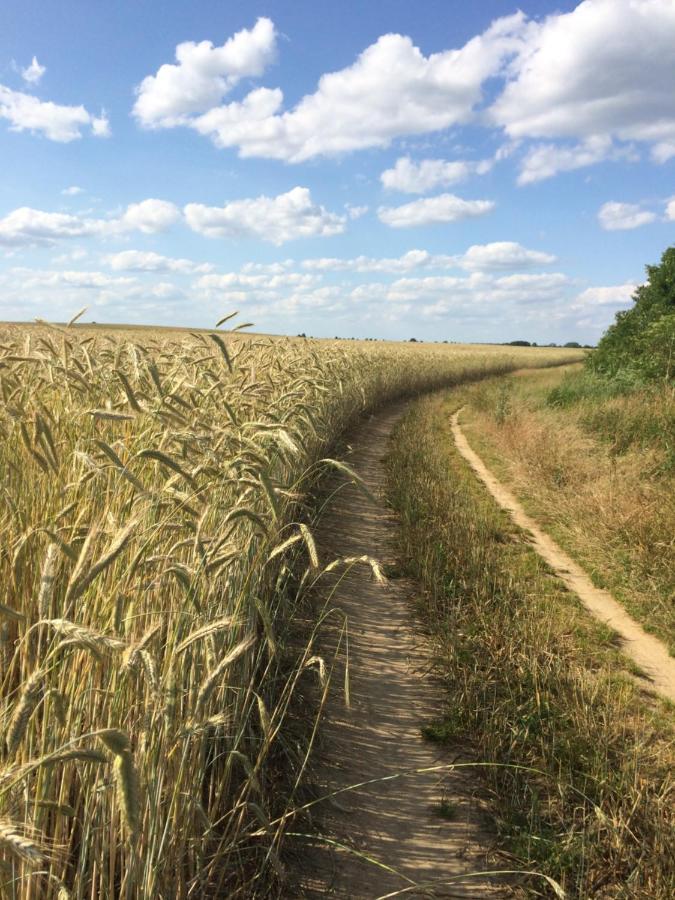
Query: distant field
point(141, 333)
point(151, 551)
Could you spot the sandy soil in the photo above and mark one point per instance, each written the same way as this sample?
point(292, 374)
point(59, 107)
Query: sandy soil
point(375, 732)
point(650, 654)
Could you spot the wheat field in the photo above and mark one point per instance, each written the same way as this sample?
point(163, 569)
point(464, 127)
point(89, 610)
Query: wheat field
point(155, 540)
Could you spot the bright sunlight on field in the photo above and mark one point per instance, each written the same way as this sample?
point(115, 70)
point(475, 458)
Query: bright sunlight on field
point(150, 529)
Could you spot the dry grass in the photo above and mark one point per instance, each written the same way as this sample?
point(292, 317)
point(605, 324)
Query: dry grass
point(582, 787)
point(598, 474)
point(152, 554)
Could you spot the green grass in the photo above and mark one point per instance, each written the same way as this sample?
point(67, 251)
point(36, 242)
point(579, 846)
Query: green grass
point(604, 493)
point(582, 782)
point(621, 411)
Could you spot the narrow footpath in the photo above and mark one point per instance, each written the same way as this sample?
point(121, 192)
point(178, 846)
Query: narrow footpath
point(650, 654)
point(423, 834)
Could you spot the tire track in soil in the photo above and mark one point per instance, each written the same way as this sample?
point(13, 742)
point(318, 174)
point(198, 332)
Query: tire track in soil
point(648, 652)
point(396, 822)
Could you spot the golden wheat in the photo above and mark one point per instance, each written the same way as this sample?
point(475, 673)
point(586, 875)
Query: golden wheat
point(152, 486)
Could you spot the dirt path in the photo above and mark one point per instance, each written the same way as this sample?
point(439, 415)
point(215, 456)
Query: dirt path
point(396, 822)
point(650, 654)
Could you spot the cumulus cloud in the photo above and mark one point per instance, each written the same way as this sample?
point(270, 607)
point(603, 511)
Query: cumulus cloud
point(33, 227)
point(34, 72)
point(41, 278)
point(149, 216)
point(270, 282)
point(203, 75)
point(602, 72)
point(148, 261)
point(277, 219)
point(413, 259)
point(524, 288)
point(598, 79)
point(58, 123)
point(624, 216)
point(546, 160)
point(618, 295)
point(433, 210)
point(670, 210)
point(26, 226)
point(428, 174)
point(503, 255)
point(391, 90)
point(72, 191)
point(500, 255)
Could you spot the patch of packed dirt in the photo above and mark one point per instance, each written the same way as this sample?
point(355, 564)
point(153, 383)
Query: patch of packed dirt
point(409, 832)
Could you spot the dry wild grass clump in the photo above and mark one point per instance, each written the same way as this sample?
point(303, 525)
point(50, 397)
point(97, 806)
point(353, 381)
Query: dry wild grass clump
point(149, 553)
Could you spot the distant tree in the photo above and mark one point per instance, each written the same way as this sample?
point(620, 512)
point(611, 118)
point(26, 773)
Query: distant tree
point(413, 340)
point(641, 341)
point(574, 344)
point(519, 344)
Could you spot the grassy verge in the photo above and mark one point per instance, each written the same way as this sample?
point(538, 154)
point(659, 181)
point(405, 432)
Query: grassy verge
point(593, 460)
point(582, 789)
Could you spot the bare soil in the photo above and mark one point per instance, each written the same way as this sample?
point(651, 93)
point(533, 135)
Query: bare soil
point(649, 653)
point(419, 834)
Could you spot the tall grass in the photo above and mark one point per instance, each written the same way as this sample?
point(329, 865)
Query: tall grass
point(621, 411)
point(151, 554)
point(594, 461)
point(583, 787)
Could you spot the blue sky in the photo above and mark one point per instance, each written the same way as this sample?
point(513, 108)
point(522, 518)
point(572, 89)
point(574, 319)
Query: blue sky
point(439, 169)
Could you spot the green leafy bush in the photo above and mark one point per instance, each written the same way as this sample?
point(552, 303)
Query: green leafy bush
point(642, 339)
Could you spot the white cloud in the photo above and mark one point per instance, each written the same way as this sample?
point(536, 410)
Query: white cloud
point(546, 160)
point(623, 216)
point(72, 191)
point(149, 216)
point(148, 261)
point(429, 174)
point(670, 210)
point(34, 72)
point(483, 287)
point(100, 126)
point(413, 259)
point(356, 212)
point(503, 255)
point(32, 227)
point(391, 90)
point(26, 226)
point(275, 268)
point(41, 278)
point(601, 72)
point(203, 75)
point(663, 151)
point(256, 282)
point(432, 210)
point(58, 123)
point(75, 255)
point(618, 295)
point(276, 219)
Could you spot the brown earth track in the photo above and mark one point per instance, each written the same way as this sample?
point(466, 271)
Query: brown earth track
point(377, 733)
point(649, 653)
